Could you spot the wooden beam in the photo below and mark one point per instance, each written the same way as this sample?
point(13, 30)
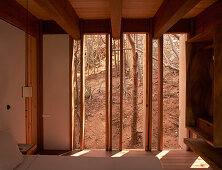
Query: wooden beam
point(182, 26)
point(96, 26)
point(40, 90)
point(169, 13)
point(135, 25)
point(116, 17)
point(15, 14)
point(71, 95)
point(82, 92)
point(121, 94)
point(107, 92)
point(63, 13)
point(160, 94)
point(31, 53)
point(110, 95)
point(51, 27)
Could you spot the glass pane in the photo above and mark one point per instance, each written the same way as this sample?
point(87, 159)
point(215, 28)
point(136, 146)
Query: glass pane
point(133, 124)
point(95, 96)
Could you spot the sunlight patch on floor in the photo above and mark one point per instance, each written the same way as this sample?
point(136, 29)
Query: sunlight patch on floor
point(162, 154)
point(199, 163)
point(80, 153)
point(121, 153)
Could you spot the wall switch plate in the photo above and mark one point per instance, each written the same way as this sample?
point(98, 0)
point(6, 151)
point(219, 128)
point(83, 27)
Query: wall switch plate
point(26, 91)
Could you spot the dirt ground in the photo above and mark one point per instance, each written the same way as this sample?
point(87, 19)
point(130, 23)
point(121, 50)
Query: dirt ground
point(95, 111)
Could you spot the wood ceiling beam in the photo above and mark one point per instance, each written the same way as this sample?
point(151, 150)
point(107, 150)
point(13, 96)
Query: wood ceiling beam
point(15, 14)
point(116, 17)
point(62, 12)
point(169, 13)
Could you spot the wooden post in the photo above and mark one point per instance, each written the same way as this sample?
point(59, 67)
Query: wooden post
point(82, 92)
point(148, 120)
point(40, 90)
point(110, 95)
point(190, 35)
point(107, 92)
point(71, 94)
point(121, 93)
point(160, 94)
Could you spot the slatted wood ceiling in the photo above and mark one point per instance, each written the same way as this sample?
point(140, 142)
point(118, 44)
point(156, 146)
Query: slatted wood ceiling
point(100, 9)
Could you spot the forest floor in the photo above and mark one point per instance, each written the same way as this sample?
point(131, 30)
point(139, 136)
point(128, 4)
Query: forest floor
point(95, 111)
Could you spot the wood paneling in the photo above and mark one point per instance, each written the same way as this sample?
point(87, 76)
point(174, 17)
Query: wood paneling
point(15, 14)
point(199, 83)
point(217, 89)
point(160, 94)
point(165, 17)
point(116, 17)
point(63, 13)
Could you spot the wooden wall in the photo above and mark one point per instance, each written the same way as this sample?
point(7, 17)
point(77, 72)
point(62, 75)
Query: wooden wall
point(199, 82)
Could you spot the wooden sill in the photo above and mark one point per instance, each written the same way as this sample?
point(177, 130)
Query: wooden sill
point(201, 134)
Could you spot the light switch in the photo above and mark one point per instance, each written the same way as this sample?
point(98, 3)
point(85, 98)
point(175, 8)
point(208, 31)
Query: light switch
point(26, 91)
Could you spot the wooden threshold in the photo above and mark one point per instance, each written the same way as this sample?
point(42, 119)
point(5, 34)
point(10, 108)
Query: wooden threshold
point(211, 155)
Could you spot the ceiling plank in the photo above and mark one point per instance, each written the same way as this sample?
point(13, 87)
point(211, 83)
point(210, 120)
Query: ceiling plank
point(169, 13)
point(116, 17)
point(62, 12)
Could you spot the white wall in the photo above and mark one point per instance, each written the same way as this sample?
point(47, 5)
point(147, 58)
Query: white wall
point(56, 122)
point(12, 78)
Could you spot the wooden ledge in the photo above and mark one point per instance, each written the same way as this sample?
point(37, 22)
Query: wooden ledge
point(211, 155)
